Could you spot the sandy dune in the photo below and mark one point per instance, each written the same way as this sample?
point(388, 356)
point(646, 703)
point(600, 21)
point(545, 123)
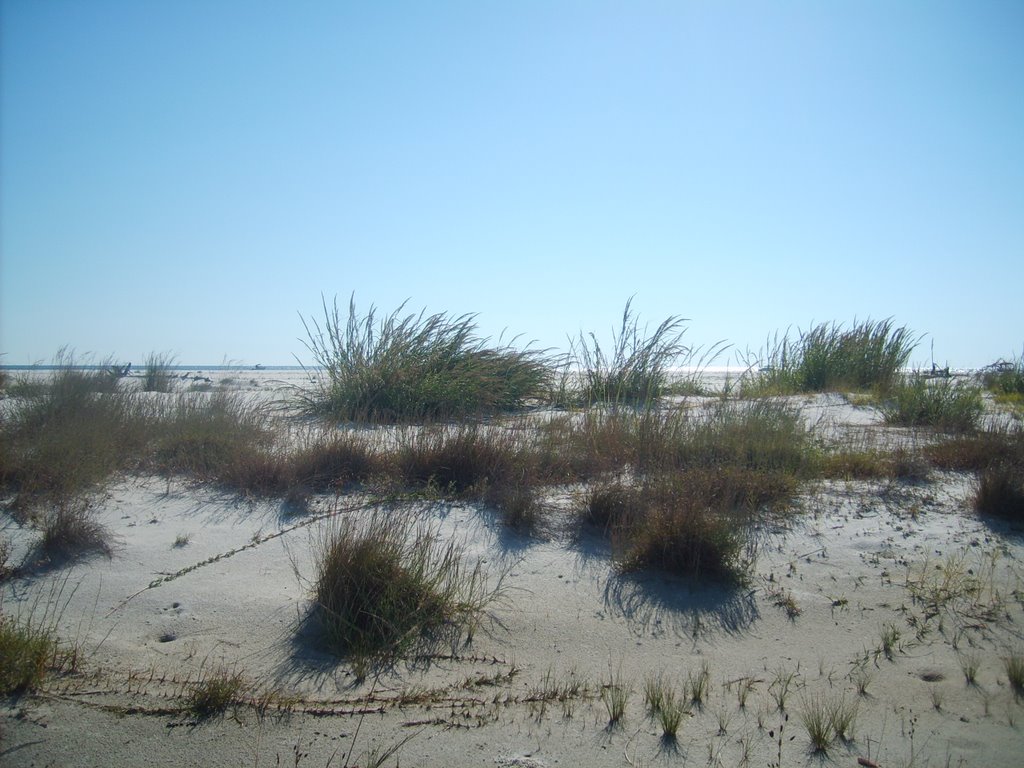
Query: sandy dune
point(201, 582)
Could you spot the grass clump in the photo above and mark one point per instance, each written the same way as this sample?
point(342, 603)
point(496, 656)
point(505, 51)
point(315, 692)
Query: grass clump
point(868, 356)
point(27, 652)
point(1005, 379)
point(670, 715)
point(1000, 492)
point(66, 435)
point(698, 684)
point(156, 376)
point(217, 437)
point(942, 403)
point(615, 695)
point(385, 585)
point(673, 524)
point(214, 693)
point(1014, 665)
point(71, 530)
point(979, 450)
point(635, 370)
point(415, 367)
point(816, 717)
point(696, 482)
point(500, 467)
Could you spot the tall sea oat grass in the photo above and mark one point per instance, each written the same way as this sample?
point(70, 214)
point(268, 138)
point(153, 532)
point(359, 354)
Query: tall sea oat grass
point(415, 367)
point(868, 356)
point(636, 370)
point(157, 375)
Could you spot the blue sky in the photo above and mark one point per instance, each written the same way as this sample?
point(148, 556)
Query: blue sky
point(191, 176)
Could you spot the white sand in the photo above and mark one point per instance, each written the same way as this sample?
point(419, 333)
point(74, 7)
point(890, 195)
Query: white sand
point(848, 561)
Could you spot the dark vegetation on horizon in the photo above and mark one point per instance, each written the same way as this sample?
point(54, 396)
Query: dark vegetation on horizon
point(671, 487)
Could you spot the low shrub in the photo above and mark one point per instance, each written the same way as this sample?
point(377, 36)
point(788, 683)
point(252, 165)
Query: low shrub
point(65, 436)
point(978, 451)
point(333, 463)
point(220, 437)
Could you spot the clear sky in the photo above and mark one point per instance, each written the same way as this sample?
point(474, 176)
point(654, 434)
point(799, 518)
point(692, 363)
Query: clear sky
point(189, 176)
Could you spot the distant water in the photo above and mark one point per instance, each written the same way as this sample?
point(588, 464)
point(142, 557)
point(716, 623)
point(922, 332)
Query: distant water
point(184, 368)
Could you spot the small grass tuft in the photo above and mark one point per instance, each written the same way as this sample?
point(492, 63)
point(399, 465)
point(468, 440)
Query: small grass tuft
point(816, 717)
point(655, 690)
point(1014, 665)
point(890, 637)
point(670, 714)
point(71, 530)
point(27, 652)
point(843, 716)
point(615, 695)
point(698, 684)
point(215, 692)
point(1000, 492)
point(969, 665)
